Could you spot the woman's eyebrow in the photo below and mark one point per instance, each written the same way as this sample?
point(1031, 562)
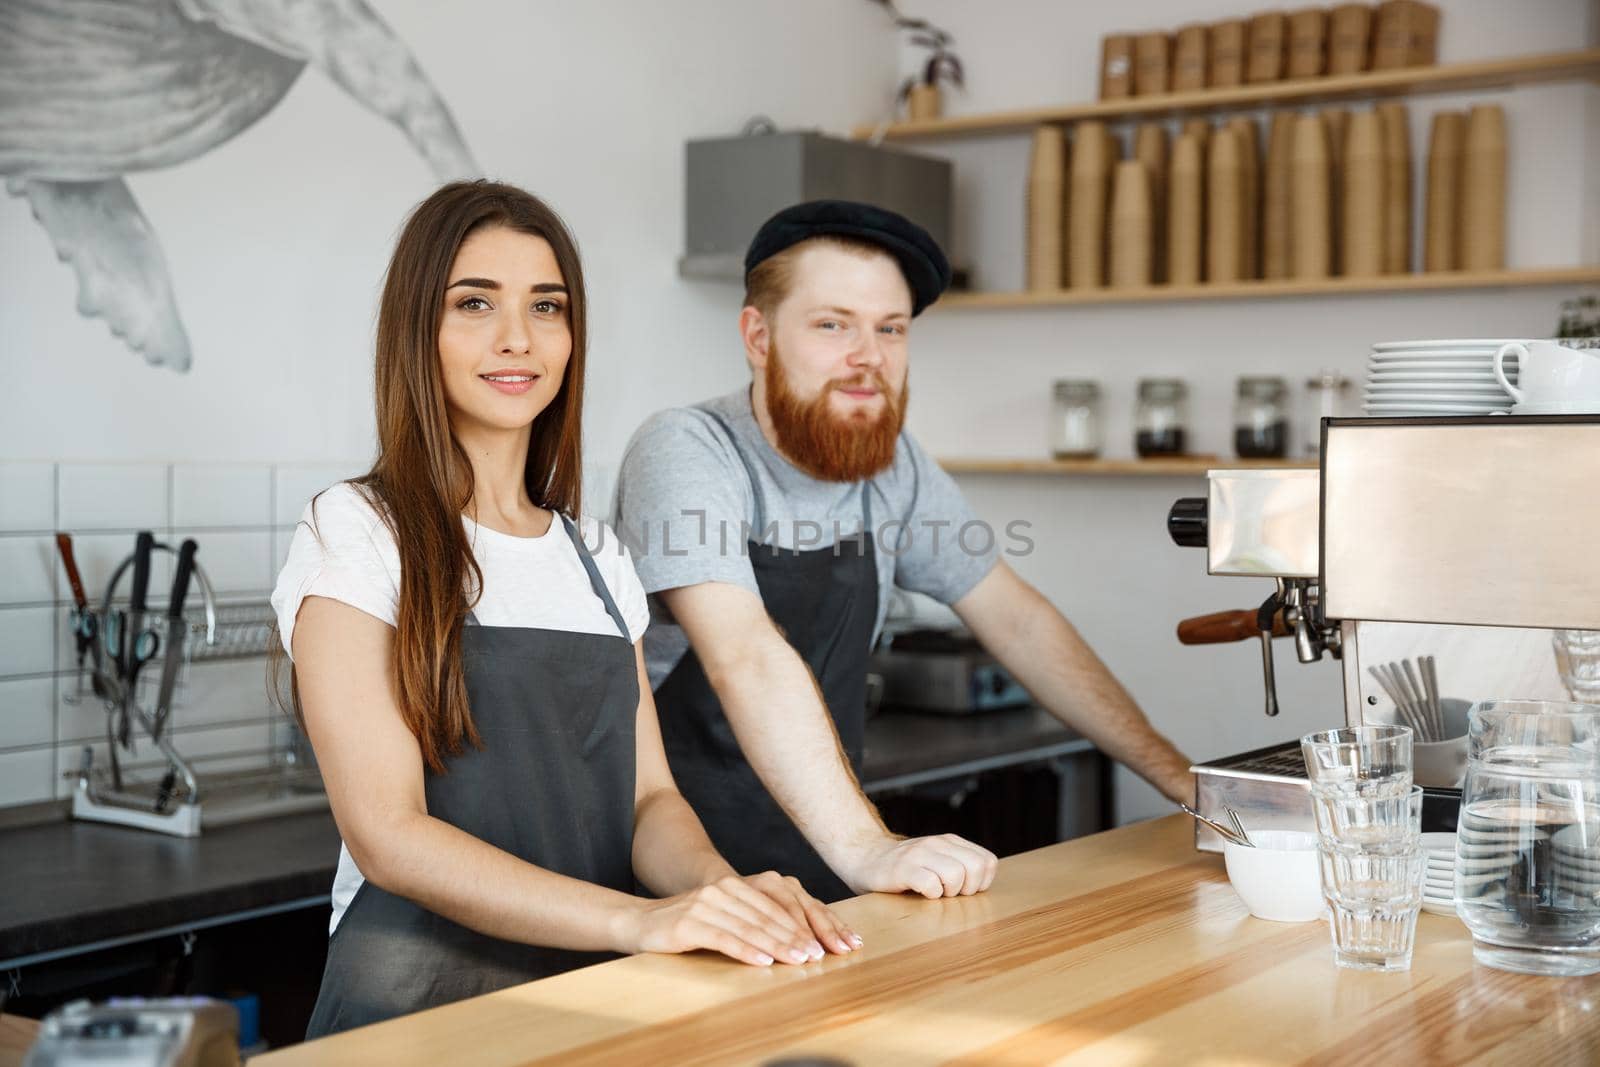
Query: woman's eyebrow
point(490, 283)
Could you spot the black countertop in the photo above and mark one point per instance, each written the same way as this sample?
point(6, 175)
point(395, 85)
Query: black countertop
point(71, 886)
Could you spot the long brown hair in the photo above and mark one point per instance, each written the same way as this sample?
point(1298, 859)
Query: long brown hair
point(422, 480)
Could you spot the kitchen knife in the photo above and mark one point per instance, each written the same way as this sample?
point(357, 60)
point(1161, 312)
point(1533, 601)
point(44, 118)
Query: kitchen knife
point(131, 638)
point(84, 626)
point(142, 546)
point(64, 546)
point(177, 633)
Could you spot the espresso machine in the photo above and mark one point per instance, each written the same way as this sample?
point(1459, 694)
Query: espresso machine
point(1487, 521)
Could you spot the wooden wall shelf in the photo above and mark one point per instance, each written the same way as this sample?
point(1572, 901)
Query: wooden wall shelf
point(1409, 81)
point(1381, 283)
point(1168, 467)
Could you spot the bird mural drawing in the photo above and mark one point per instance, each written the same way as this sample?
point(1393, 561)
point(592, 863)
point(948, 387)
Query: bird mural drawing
point(94, 90)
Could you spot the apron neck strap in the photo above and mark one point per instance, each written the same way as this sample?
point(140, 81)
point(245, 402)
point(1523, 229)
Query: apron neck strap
point(596, 583)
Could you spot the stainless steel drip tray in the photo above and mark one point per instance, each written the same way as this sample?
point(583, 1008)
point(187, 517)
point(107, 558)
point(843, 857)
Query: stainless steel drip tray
point(1266, 786)
point(1269, 790)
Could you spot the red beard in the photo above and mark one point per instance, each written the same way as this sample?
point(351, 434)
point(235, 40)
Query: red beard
point(827, 446)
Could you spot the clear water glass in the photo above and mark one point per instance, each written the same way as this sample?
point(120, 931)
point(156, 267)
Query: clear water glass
point(1578, 661)
point(1373, 868)
point(1362, 760)
point(1528, 841)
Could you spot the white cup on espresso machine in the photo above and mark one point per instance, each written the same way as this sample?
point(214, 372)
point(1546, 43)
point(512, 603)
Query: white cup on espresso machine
point(1553, 378)
point(1474, 521)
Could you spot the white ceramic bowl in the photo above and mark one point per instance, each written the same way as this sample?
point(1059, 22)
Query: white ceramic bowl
point(1279, 879)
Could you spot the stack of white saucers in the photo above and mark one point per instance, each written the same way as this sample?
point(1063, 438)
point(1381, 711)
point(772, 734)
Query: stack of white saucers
point(1411, 379)
point(1439, 886)
point(1575, 860)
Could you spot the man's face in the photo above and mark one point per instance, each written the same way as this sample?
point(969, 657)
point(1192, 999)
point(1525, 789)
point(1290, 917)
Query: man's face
point(836, 363)
point(842, 331)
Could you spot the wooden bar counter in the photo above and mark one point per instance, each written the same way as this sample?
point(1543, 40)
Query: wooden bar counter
point(1127, 947)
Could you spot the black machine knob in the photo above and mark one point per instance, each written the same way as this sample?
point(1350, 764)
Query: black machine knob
point(1187, 522)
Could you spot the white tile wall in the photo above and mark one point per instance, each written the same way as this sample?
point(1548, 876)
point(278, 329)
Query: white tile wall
point(27, 496)
point(207, 495)
point(26, 641)
point(81, 716)
point(113, 496)
point(227, 691)
point(233, 562)
point(298, 483)
point(25, 775)
point(27, 569)
point(25, 717)
point(242, 515)
point(282, 538)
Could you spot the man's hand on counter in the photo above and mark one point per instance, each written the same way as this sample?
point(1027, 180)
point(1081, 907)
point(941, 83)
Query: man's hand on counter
point(942, 866)
point(759, 920)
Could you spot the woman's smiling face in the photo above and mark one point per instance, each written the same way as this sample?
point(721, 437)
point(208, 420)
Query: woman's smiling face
point(504, 333)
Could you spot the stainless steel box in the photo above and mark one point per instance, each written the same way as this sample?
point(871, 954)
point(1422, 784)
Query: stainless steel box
point(734, 184)
point(1267, 787)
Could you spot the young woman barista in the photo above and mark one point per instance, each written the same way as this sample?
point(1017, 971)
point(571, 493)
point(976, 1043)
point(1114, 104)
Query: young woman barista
point(468, 672)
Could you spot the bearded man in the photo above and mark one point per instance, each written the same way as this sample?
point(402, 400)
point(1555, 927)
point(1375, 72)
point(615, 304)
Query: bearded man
point(770, 524)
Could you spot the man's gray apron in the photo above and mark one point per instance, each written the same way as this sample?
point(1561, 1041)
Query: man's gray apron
point(825, 603)
point(552, 785)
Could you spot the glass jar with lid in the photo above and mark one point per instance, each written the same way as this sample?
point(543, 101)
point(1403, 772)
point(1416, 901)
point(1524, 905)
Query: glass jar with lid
point(1261, 418)
point(1075, 419)
point(1161, 420)
point(1327, 397)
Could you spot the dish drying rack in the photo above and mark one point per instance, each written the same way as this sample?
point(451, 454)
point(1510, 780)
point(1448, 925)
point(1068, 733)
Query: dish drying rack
point(172, 794)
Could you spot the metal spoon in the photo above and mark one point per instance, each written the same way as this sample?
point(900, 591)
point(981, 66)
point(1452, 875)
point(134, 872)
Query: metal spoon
point(1226, 833)
point(1430, 679)
point(1419, 694)
point(1233, 817)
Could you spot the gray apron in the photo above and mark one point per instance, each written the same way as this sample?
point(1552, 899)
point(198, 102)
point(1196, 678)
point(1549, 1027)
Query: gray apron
point(552, 785)
point(825, 603)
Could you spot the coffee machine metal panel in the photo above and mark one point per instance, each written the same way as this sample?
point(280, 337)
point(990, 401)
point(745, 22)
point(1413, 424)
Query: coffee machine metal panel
point(1477, 521)
point(1263, 523)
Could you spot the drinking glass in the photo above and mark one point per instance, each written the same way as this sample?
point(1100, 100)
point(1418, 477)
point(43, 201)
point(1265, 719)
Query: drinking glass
point(1373, 866)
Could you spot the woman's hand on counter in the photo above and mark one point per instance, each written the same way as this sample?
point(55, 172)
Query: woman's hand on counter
point(942, 866)
point(758, 920)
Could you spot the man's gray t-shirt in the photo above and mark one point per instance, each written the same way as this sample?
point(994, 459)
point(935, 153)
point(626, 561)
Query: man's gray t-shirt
point(698, 484)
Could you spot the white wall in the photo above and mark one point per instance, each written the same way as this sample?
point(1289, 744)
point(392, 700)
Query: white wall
point(982, 378)
point(276, 241)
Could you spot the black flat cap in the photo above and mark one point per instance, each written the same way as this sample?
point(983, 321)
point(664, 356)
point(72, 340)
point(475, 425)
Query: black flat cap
point(921, 259)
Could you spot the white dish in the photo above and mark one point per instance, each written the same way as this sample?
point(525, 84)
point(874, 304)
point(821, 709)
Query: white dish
point(1568, 408)
point(1436, 354)
point(1486, 365)
point(1433, 359)
point(1280, 879)
point(1410, 400)
point(1466, 399)
point(1471, 342)
point(1449, 382)
point(1427, 411)
point(1434, 407)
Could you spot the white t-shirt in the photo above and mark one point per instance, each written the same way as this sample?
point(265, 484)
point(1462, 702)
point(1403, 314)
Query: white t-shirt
point(342, 550)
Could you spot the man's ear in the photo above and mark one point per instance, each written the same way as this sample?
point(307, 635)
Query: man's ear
point(757, 338)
